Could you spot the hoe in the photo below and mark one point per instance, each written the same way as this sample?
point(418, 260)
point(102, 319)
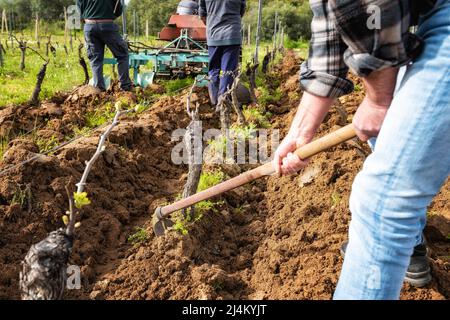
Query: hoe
point(161, 221)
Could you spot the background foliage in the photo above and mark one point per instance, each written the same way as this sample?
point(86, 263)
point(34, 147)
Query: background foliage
point(294, 14)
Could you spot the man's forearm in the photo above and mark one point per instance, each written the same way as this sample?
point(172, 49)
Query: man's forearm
point(380, 86)
point(310, 115)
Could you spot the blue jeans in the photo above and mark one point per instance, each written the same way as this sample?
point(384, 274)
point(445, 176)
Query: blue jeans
point(99, 35)
point(409, 165)
point(223, 59)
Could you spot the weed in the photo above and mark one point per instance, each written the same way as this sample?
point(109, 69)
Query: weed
point(217, 285)
point(210, 179)
point(46, 145)
point(245, 132)
point(269, 96)
point(139, 237)
point(256, 117)
point(218, 145)
point(240, 210)
point(19, 197)
point(139, 108)
point(4, 142)
point(358, 88)
point(207, 180)
point(81, 131)
point(432, 214)
point(100, 116)
point(448, 237)
point(336, 199)
point(182, 222)
point(181, 227)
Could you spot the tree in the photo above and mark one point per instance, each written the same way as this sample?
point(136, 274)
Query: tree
point(295, 15)
point(156, 12)
point(50, 9)
point(25, 10)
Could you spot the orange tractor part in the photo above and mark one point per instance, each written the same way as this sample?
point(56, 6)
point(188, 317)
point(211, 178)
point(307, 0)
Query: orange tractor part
point(195, 26)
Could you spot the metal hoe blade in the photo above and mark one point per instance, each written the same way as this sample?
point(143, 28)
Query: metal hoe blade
point(160, 224)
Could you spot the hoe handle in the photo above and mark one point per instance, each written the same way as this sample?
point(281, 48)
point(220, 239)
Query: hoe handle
point(305, 152)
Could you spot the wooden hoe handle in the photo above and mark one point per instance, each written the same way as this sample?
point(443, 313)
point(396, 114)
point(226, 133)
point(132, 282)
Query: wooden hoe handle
point(333, 139)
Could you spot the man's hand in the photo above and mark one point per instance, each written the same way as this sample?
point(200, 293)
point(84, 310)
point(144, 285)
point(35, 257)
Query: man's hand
point(311, 112)
point(285, 161)
point(369, 118)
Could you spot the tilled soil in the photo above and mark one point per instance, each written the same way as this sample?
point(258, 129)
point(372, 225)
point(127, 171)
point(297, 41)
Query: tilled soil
point(273, 239)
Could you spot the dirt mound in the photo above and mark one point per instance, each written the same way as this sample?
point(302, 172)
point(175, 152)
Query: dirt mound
point(273, 239)
point(135, 169)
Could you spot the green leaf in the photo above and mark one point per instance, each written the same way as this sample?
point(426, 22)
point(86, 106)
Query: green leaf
point(139, 108)
point(81, 199)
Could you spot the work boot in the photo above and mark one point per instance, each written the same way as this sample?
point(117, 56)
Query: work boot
point(131, 88)
point(419, 271)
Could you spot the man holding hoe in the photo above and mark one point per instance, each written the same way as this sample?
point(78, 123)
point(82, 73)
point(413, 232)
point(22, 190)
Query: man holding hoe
point(411, 156)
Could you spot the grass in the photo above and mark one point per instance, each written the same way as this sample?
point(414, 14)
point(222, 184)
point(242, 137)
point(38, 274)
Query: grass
point(139, 237)
point(4, 141)
point(182, 223)
point(269, 96)
point(256, 117)
point(207, 180)
point(63, 71)
point(173, 86)
point(79, 132)
point(19, 197)
point(100, 116)
point(244, 132)
point(46, 145)
point(210, 179)
point(218, 145)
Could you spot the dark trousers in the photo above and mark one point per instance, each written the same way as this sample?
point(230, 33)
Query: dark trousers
point(223, 63)
point(99, 35)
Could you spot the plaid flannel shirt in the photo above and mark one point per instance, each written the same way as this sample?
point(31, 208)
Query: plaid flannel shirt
point(344, 36)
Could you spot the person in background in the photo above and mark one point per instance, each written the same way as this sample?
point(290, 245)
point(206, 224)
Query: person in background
point(224, 37)
point(100, 31)
point(411, 157)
